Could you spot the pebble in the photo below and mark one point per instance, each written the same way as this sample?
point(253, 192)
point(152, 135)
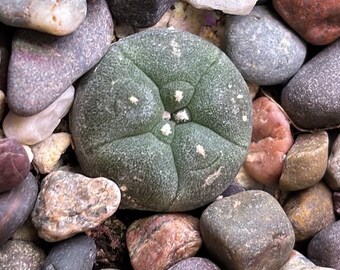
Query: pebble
point(70, 203)
point(232, 189)
point(57, 18)
point(316, 21)
point(36, 128)
point(332, 176)
point(312, 96)
point(246, 181)
point(263, 48)
point(160, 241)
point(306, 161)
point(15, 207)
point(42, 66)
point(271, 140)
point(76, 253)
point(26, 232)
point(21, 255)
point(252, 228)
point(310, 210)
point(195, 263)
point(240, 7)
point(324, 248)
point(48, 152)
point(139, 13)
point(14, 164)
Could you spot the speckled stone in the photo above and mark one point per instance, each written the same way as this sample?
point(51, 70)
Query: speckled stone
point(195, 263)
point(324, 248)
point(21, 255)
point(271, 140)
point(139, 13)
point(76, 253)
point(312, 97)
point(310, 210)
point(332, 176)
point(42, 66)
point(262, 47)
point(252, 228)
point(318, 22)
point(15, 206)
point(70, 203)
point(306, 161)
point(160, 241)
point(14, 164)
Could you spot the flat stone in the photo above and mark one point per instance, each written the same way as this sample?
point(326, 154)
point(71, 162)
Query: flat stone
point(70, 203)
point(312, 96)
point(36, 128)
point(21, 255)
point(78, 252)
point(252, 228)
point(306, 161)
point(195, 263)
point(271, 140)
point(310, 210)
point(332, 176)
point(43, 66)
point(14, 164)
point(160, 241)
point(15, 207)
point(262, 47)
point(318, 22)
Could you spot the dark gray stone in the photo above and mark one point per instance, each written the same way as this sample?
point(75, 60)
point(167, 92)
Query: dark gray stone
point(324, 248)
point(312, 97)
point(262, 47)
point(195, 263)
point(139, 13)
point(76, 253)
point(248, 230)
point(43, 66)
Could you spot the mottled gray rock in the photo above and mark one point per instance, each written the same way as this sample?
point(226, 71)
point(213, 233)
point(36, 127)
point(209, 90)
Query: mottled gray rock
point(195, 263)
point(76, 253)
point(262, 47)
point(21, 255)
point(54, 17)
point(248, 230)
point(312, 97)
point(15, 206)
point(332, 176)
point(139, 13)
point(42, 66)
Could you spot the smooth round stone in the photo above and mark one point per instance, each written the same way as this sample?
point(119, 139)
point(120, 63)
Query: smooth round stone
point(76, 253)
point(16, 205)
point(318, 22)
point(310, 210)
point(160, 241)
point(21, 255)
point(332, 176)
point(14, 164)
point(324, 248)
point(312, 96)
point(306, 161)
point(262, 47)
point(70, 203)
point(43, 66)
point(248, 230)
point(195, 263)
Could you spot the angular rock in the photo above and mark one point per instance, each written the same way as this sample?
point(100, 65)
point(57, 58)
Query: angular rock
point(76, 253)
point(306, 161)
point(36, 128)
point(42, 66)
point(139, 13)
point(70, 203)
point(263, 48)
point(332, 176)
point(271, 140)
point(310, 210)
point(15, 207)
point(195, 263)
point(14, 164)
point(160, 241)
point(312, 96)
point(252, 228)
point(318, 22)
point(21, 255)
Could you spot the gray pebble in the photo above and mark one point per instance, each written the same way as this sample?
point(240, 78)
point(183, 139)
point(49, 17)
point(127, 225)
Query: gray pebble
point(195, 263)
